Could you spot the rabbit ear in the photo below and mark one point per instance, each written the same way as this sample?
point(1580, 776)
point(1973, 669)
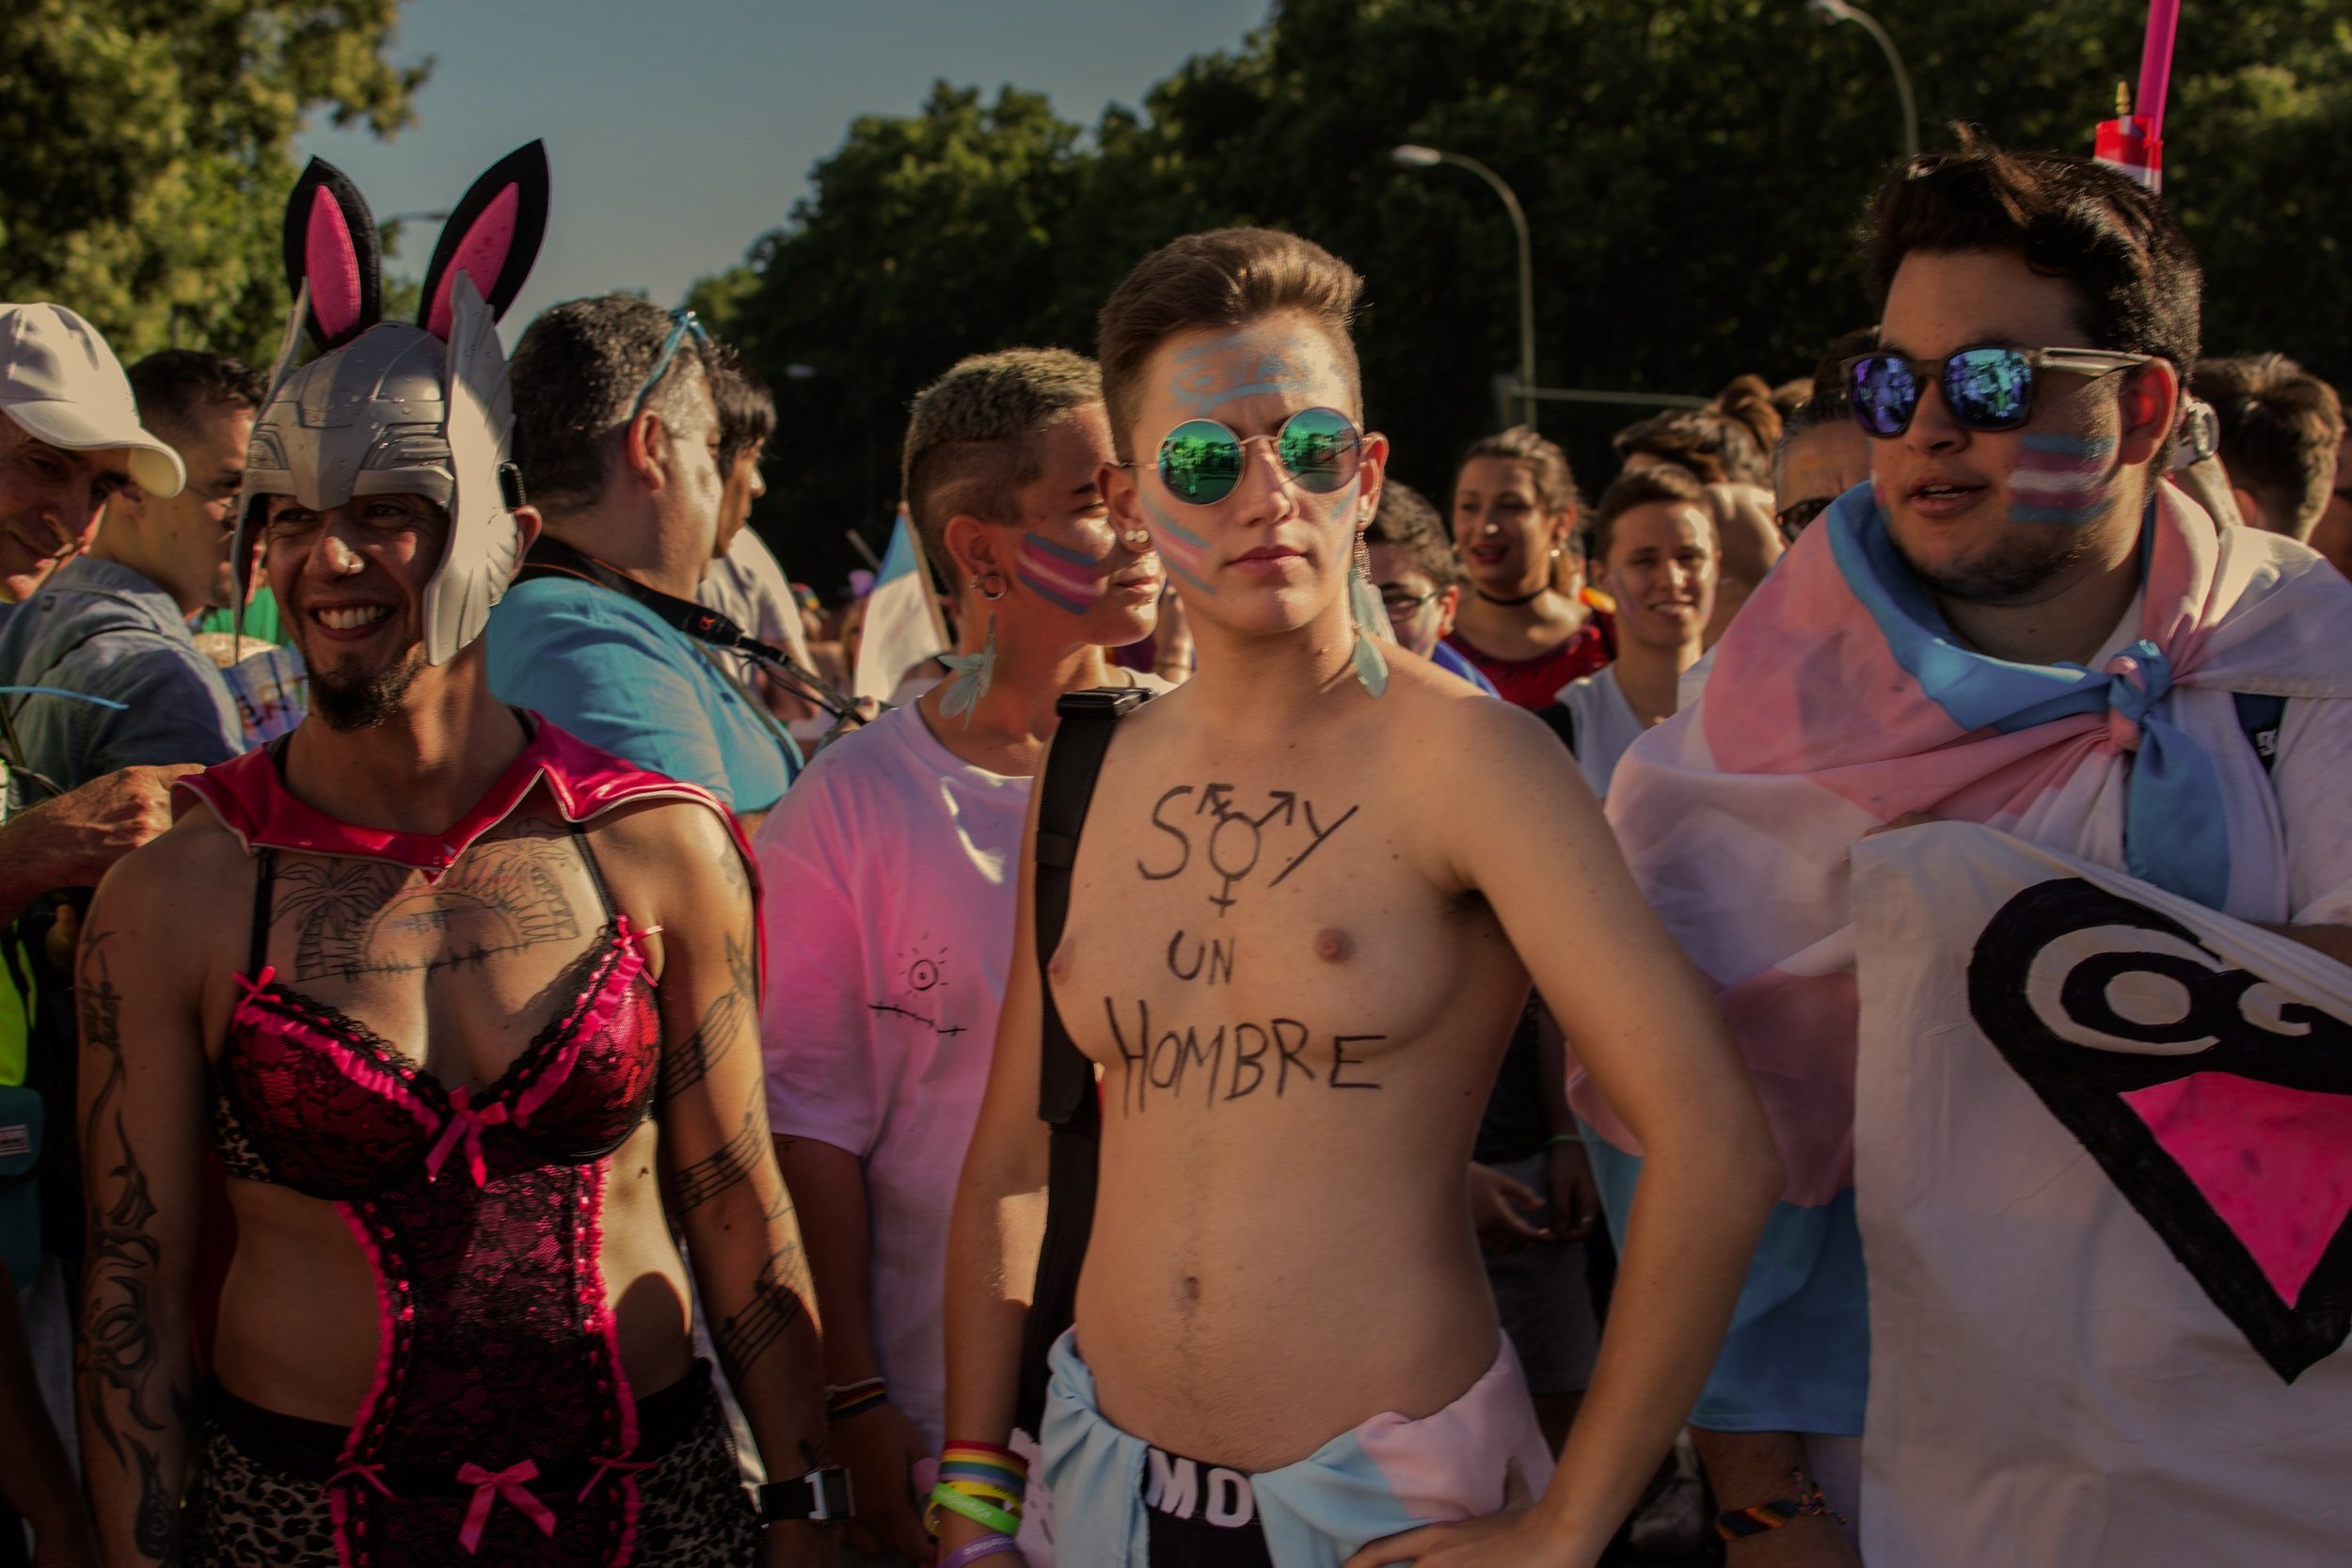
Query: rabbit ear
point(331, 245)
point(493, 237)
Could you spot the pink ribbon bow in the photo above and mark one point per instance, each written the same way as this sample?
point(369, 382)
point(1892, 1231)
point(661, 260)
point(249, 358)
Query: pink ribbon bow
point(489, 1487)
point(464, 1123)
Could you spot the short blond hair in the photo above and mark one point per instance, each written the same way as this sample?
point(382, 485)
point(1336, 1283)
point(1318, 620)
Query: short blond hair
point(971, 435)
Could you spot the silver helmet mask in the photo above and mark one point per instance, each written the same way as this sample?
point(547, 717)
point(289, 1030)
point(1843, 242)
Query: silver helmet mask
point(389, 409)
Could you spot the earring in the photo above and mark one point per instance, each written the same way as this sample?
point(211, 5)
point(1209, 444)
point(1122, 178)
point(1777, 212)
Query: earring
point(973, 672)
point(1365, 610)
point(1136, 539)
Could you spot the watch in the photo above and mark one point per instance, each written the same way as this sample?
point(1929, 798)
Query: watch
point(818, 1496)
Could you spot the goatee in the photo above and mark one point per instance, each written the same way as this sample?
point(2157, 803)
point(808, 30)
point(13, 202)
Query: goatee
point(361, 701)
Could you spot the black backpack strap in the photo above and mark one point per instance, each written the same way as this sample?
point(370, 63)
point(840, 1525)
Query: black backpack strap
point(1066, 1096)
point(2260, 715)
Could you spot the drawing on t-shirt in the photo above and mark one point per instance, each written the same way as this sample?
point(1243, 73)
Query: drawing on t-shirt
point(922, 979)
point(2220, 1107)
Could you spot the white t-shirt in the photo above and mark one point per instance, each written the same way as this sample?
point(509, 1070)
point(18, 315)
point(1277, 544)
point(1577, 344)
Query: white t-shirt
point(891, 873)
point(1605, 724)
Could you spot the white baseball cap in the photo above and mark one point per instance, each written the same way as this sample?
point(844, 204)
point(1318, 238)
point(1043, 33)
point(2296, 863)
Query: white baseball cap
point(60, 381)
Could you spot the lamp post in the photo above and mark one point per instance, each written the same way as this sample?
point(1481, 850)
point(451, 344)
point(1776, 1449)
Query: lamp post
point(1842, 10)
point(1429, 157)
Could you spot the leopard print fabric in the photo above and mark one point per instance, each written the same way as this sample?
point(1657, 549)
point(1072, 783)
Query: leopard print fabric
point(694, 1514)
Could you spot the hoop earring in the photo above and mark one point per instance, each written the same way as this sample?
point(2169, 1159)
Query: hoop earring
point(1365, 611)
point(981, 583)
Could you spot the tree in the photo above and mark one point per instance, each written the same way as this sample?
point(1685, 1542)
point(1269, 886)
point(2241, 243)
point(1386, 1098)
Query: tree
point(1693, 172)
point(150, 147)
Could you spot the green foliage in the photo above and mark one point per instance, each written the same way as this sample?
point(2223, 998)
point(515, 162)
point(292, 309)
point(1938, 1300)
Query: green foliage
point(149, 149)
point(1692, 170)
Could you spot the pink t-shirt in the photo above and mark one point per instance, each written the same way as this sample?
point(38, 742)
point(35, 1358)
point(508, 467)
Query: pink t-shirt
point(891, 871)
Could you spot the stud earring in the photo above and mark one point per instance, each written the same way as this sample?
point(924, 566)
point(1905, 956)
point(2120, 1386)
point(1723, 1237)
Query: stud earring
point(1136, 539)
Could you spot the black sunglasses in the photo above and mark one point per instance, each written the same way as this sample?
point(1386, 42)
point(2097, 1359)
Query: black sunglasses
point(1986, 388)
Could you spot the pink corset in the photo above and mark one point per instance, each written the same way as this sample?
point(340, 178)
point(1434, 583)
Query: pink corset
point(498, 1423)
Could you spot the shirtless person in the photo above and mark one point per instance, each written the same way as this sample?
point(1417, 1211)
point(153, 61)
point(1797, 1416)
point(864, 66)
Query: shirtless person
point(497, 990)
point(1283, 1335)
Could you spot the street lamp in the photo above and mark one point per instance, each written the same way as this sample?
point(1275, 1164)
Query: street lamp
point(1841, 10)
point(1429, 157)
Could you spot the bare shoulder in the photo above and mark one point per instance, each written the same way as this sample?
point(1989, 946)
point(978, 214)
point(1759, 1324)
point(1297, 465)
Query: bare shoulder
point(668, 854)
point(194, 861)
point(1469, 738)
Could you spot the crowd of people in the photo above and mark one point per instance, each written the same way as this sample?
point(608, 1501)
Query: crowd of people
point(1815, 976)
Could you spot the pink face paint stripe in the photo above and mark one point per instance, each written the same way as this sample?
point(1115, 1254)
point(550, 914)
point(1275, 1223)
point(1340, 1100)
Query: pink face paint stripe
point(1056, 575)
point(1181, 551)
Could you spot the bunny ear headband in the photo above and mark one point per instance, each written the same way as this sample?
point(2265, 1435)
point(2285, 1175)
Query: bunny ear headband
point(389, 409)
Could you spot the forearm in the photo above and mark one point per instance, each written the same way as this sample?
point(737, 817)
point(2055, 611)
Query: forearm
point(136, 1393)
point(1694, 1220)
point(26, 868)
point(749, 1267)
point(828, 1188)
point(991, 1264)
point(1749, 1467)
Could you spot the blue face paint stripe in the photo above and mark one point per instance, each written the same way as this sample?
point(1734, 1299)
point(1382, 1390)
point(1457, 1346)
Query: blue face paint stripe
point(1051, 595)
point(1166, 527)
point(2081, 448)
point(1063, 552)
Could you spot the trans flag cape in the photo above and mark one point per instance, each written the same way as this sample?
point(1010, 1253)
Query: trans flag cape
point(2103, 1157)
point(1841, 701)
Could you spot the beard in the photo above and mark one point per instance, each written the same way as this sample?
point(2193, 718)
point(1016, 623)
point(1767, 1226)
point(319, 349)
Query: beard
point(2009, 567)
point(348, 700)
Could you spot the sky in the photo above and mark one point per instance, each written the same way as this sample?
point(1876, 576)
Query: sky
point(679, 132)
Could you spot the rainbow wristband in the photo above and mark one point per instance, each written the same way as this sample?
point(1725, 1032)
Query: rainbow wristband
point(985, 1453)
point(857, 1404)
point(984, 1513)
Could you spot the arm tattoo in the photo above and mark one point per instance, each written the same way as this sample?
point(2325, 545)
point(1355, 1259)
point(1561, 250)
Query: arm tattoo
point(120, 1354)
point(690, 1061)
point(778, 1300)
point(730, 1166)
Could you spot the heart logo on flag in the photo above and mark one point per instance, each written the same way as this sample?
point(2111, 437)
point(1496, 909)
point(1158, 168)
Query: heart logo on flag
point(2219, 1104)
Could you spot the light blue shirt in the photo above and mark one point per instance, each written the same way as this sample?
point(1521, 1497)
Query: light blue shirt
point(604, 668)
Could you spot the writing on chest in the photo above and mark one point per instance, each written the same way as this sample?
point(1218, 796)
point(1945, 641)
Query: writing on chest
point(1233, 842)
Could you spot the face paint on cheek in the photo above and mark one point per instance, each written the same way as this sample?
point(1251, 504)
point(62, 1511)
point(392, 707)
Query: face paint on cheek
point(2061, 479)
point(1223, 369)
point(1184, 552)
point(1066, 579)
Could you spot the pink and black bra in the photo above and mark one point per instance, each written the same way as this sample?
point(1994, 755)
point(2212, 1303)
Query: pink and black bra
point(498, 1418)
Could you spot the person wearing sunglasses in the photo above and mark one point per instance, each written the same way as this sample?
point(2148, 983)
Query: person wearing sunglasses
point(1311, 886)
point(2015, 623)
point(621, 446)
point(1526, 624)
point(900, 844)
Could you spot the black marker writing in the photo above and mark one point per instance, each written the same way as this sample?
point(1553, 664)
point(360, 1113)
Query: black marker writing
point(1215, 956)
point(1239, 842)
point(1165, 1060)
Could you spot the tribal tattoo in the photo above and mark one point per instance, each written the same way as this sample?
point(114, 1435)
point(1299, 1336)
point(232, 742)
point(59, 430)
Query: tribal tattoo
point(119, 1355)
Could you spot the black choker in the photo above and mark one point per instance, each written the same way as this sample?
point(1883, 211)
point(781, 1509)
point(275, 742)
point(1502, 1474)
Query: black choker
point(1513, 604)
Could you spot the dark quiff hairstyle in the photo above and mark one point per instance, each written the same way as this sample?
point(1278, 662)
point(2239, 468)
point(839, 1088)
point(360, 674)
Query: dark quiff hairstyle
point(1555, 485)
point(576, 373)
point(1407, 520)
point(1660, 482)
point(1730, 439)
point(2279, 426)
point(972, 436)
point(1224, 279)
point(747, 409)
point(174, 385)
point(2137, 283)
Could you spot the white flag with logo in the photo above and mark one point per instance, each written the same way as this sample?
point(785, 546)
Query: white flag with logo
point(2103, 1171)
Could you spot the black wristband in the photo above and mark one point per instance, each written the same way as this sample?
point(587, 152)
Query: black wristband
point(818, 1496)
